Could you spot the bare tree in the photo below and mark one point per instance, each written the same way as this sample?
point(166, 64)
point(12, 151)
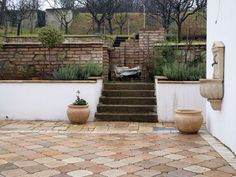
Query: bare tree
point(182, 9)
point(161, 9)
point(112, 7)
point(98, 11)
point(121, 19)
point(22, 9)
point(65, 12)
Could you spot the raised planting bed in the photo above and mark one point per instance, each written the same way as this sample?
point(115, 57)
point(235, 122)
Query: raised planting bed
point(46, 100)
point(172, 95)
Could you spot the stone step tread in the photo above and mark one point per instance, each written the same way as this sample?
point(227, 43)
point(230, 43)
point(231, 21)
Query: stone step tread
point(133, 98)
point(128, 114)
point(128, 93)
point(129, 106)
point(144, 117)
point(128, 100)
point(129, 83)
point(126, 108)
point(125, 90)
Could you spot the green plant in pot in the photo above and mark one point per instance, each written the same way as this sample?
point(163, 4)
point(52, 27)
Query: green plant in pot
point(78, 112)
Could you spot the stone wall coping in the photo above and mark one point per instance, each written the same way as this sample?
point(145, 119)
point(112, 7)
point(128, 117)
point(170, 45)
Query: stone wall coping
point(65, 43)
point(178, 82)
point(182, 44)
point(65, 36)
point(47, 81)
point(164, 80)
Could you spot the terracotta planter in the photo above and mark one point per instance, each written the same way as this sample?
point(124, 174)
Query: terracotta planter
point(78, 114)
point(36, 78)
point(188, 121)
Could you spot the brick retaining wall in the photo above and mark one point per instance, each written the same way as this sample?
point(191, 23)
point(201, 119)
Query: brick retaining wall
point(33, 54)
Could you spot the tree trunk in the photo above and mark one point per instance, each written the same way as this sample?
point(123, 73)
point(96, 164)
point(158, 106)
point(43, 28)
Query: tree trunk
point(121, 29)
point(179, 32)
point(2, 12)
point(99, 27)
point(18, 28)
point(67, 28)
point(110, 26)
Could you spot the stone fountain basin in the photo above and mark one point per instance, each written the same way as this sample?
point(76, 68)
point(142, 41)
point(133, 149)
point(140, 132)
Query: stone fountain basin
point(212, 89)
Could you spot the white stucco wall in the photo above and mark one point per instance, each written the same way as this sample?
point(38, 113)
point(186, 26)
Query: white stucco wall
point(221, 26)
point(45, 101)
point(177, 95)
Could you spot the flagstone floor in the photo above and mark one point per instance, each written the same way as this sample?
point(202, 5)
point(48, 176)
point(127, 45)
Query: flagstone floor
point(108, 149)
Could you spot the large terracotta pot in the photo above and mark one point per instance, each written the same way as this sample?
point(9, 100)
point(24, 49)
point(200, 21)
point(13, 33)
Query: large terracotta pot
point(78, 114)
point(188, 121)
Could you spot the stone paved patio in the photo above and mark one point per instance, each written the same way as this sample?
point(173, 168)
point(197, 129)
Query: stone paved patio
point(108, 149)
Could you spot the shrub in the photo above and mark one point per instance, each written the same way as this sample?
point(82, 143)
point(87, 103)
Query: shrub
point(163, 55)
point(184, 72)
point(91, 69)
point(67, 72)
point(50, 37)
point(26, 71)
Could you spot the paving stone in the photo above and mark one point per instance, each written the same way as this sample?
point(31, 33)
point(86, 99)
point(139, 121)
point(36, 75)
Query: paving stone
point(161, 160)
point(7, 166)
point(204, 157)
point(61, 175)
point(2, 162)
point(163, 168)
point(159, 153)
point(196, 169)
point(102, 160)
point(217, 174)
point(105, 153)
point(54, 164)
point(131, 168)
point(178, 164)
point(34, 169)
point(25, 163)
point(14, 173)
point(181, 173)
point(113, 173)
point(148, 173)
point(67, 168)
point(192, 160)
point(211, 164)
point(131, 160)
point(116, 164)
point(227, 169)
point(46, 173)
point(44, 160)
point(98, 168)
point(80, 173)
point(73, 160)
point(174, 156)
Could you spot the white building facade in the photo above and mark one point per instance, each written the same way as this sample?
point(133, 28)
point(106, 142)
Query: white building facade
point(221, 26)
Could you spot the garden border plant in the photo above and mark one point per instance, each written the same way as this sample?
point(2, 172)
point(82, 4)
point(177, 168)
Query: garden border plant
point(50, 38)
point(78, 72)
point(165, 61)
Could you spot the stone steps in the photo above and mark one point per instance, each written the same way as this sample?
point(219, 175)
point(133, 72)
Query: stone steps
point(127, 102)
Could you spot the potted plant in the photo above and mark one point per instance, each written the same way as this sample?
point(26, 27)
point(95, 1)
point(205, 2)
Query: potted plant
point(78, 112)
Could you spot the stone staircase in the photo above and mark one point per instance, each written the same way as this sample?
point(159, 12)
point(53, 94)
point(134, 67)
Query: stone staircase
point(127, 102)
